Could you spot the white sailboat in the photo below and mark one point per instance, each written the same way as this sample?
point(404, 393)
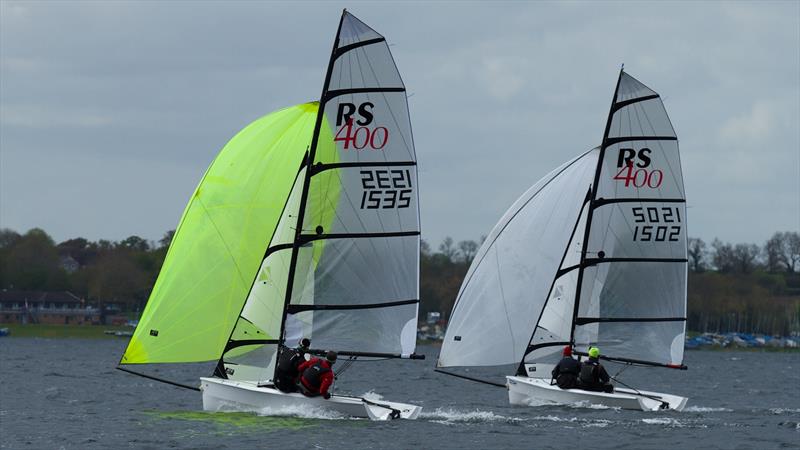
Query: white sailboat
point(305, 225)
point(594, 254)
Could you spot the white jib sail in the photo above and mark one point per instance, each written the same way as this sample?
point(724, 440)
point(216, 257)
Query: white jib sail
point(506, 285)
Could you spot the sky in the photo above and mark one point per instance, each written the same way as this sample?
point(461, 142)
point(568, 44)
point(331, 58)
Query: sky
point(110, 112)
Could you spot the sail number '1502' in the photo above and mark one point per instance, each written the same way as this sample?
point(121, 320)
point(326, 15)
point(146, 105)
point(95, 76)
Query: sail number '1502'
point(657, 216)
point(386, 189)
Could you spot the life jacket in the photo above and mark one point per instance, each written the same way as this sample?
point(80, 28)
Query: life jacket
point(312, 376)
point(569, 366)
point(289, 360)
point(589, 373)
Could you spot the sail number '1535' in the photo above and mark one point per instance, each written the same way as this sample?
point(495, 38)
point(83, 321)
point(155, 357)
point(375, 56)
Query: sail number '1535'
point(386, 189)
point(656, 215)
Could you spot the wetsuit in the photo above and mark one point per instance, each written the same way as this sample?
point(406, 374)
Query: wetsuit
point(566, 373)
point(594, 377)
point(287, 371)
point(316, 378)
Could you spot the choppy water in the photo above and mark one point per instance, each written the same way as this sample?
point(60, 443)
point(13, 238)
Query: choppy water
point(66, 394)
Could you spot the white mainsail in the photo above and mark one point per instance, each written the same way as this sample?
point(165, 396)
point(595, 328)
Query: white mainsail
point(347, 277)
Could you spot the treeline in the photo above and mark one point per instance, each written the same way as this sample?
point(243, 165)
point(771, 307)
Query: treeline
point(732, 287)
point(101, 272)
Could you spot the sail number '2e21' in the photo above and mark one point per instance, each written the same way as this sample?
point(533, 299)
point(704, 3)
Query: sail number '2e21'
point(386, 189)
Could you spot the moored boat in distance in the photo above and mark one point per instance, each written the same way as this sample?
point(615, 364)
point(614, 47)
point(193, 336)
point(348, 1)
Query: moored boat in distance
point(594, 254)
point(305, 225)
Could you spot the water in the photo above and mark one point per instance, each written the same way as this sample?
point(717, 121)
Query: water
point(66, 394)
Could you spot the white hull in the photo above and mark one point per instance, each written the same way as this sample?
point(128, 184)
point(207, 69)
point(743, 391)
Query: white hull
point(527, 391)
point(228, 395)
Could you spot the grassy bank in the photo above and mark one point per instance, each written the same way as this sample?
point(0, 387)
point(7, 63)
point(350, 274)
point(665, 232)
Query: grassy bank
point(63, 331)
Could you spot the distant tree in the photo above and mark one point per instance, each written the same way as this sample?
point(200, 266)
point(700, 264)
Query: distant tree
point(79, 249)
point(165, 241)
point(8, 238)
point(782, 252)
point(33, 263)
point(116, 277)
point(468, 250)
point(424, 247)
point(698, 254)
point(745, 257)
point(447, 249)
point(723, 256)
point(135, 243)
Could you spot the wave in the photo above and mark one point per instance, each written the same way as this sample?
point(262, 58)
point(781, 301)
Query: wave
point(706, 409)
point(670, 422)
point(451, 416)
point(303, 411)
point(779, 411)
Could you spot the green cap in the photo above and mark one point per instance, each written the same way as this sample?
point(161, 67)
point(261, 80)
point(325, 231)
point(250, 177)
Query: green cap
point(594, 352)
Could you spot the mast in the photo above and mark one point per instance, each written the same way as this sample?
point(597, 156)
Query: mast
point(308, 162)
point(592, 200)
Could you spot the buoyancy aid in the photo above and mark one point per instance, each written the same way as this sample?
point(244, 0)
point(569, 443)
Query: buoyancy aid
point(312, 376)
point(289, 360)
point(569, 365)
point(589, 373)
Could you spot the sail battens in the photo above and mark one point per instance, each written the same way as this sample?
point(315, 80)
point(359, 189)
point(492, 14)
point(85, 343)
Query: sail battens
point(616, 140)
point(366, 90)
point(624, 103)
point(587, 320)
point(245, 342)
point(595, 261)
point(275, 248)
point(532, 347)
point(305, 238)
point(346, 48)
point(320, 167)
point(293, 309)
point(606, 201)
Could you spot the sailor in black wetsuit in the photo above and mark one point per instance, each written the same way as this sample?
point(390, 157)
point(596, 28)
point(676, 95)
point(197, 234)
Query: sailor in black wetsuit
point(286, 373)
point(593, 375)
point(567, 370)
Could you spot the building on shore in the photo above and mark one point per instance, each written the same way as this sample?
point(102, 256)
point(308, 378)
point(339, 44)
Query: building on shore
point(62, 308)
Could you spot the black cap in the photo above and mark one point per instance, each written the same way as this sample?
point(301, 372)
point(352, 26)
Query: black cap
point(331, 356)
point(305, 342)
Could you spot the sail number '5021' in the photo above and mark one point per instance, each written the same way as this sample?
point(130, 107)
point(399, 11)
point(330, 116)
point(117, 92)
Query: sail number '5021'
point(641, 176)
point(386, 189)
point(359, 137)
point(656, 215)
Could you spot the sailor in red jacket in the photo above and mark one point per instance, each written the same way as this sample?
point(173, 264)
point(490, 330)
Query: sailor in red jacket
point(317, 375)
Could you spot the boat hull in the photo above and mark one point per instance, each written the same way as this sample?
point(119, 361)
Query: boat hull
point(228, 395)
point(527, 391)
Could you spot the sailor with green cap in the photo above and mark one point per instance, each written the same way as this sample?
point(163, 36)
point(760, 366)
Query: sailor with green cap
point(593, 375)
